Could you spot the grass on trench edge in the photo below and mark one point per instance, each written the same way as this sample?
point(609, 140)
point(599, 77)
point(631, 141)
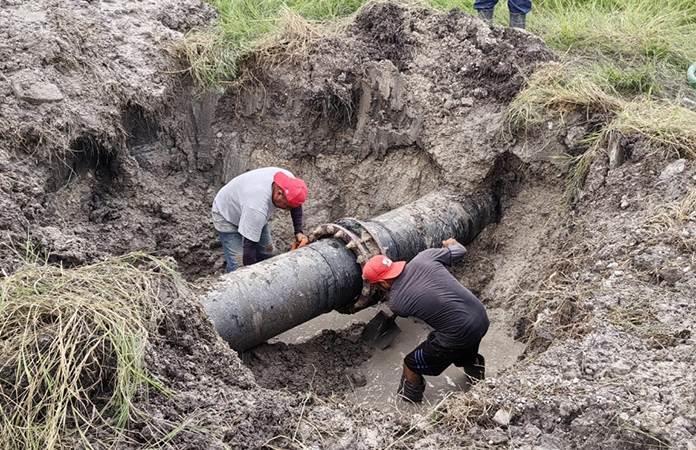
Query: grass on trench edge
point(650, 43)
point(554, 93)
point(72, 348)
point(257, 29)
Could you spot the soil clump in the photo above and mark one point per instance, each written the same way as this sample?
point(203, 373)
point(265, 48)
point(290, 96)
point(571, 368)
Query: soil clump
point(327, 364)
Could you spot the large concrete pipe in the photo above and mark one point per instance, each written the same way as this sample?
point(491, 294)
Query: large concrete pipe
point(258, 302)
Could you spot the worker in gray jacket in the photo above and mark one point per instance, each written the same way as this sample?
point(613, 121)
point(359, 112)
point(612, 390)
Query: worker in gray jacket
point(242, 208)
point(425, 289)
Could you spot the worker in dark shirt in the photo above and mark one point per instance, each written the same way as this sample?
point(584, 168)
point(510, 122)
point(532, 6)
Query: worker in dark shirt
point(425, 289)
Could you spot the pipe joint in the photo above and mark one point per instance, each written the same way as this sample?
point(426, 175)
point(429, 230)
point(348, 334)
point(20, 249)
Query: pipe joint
point(359, 239)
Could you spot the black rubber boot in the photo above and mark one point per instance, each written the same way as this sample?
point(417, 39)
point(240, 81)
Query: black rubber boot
point(517, 20)
point(486, 14)
point(409, 391)
point(476, 371)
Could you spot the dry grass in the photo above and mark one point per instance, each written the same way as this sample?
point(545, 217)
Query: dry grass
point(557, 307)
point(252, 29)
point(553, 89)
point(553, 93)
point(211, 61)
point(670, 219)
point(291, 40)
point(640, 319)
point(674, 215)
point(461, 411)
point(72, 346)
point(579, 167)
point(215, 62)
point(667, 126)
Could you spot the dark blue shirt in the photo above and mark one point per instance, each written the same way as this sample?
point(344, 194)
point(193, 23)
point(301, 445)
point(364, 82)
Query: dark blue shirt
point(428, 291)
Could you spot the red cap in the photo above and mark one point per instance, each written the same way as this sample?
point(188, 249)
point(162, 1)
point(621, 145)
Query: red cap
point(295, 189)
point(380, 268)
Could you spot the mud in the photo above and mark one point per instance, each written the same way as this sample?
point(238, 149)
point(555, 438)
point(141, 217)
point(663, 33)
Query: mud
point(327, 364)
point(383, 370)
point(328, 356)
point(115, 159)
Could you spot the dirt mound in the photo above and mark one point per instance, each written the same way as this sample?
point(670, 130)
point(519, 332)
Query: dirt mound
point(607, 287)
point(93, 117)
point(326, 364)
point(211, 393)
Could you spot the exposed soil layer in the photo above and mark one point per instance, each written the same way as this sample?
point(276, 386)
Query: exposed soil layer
point(104, 149)
point(603, 294)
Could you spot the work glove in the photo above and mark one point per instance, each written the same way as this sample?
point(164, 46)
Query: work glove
point(300, 241)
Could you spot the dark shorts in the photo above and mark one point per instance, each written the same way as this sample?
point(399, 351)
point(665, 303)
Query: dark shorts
point(429, 358)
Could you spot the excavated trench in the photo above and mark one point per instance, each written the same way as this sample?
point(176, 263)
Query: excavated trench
point(407, 103)
point(106, 147)
point(329, 357)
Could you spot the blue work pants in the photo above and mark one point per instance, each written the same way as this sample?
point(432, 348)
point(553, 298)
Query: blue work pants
point(233, 249)
point(515, 6)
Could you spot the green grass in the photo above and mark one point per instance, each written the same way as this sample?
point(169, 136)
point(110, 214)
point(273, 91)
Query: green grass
point(245, 26)
point(639, 46)
point(72, 348)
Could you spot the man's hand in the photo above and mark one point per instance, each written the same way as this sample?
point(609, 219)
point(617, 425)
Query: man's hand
point(450, 241)
point(300, 241)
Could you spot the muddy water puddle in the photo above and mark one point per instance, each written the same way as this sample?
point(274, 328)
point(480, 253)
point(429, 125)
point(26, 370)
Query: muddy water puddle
point(383, 370)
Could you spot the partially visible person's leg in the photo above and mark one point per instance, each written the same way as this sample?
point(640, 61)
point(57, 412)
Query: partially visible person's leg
point(411, 385)
point(518, 12)
point(232, 249)
point(468, 357)
point(485, 9)
point(473, 363)
point(484, 4)
point(265, 245)
point(424, 360)
point(520, 6)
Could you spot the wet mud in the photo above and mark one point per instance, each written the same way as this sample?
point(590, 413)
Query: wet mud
point(327, 355)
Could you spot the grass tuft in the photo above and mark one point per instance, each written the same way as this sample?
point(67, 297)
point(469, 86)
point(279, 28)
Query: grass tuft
point(674, 215)
point(72, 348)
point(251, 27)
point(579, 169)
point(627, 81)
point(669, 222)
point(640, 319)
point(556, 89)
point(462, 411)
point(667, 125)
